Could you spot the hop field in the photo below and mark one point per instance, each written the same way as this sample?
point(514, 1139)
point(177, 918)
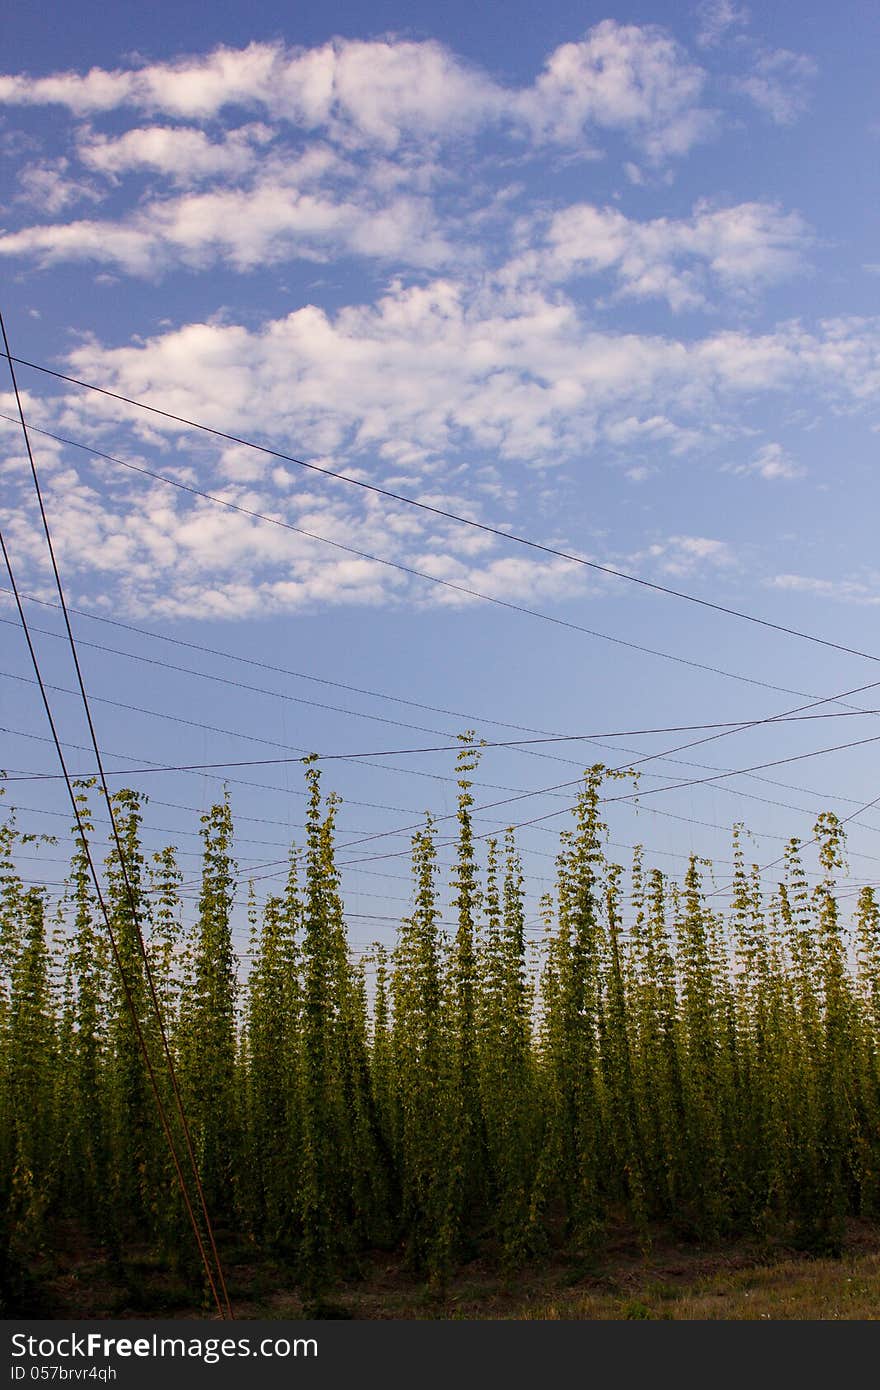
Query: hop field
point(665, 1064)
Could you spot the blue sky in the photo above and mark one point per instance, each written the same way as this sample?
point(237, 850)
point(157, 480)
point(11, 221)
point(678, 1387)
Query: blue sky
point(606, 278)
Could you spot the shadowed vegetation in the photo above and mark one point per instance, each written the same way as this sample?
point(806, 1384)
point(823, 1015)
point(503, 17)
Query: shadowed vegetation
point(666, 1066)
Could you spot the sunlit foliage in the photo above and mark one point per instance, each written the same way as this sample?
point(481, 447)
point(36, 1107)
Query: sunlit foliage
point(658, 1057)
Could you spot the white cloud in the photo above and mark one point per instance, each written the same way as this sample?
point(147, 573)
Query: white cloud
point(682, 555)
point(628, 78)
point(621, 77)
point(772, 463)
point(184, 153)
point(47, 186)
point(703, 548)
point(718, 20)
point(192, 87)
point(630, 431)
point(122, 246)
point(138, 537)
point(427, 375)
point(739, 248)
point(860, 591)
point(284, 215)
point(436, 371)
point(385, 92)
point(779, 84)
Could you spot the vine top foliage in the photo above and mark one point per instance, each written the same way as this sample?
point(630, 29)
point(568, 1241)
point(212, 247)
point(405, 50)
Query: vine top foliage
point(667, 1061)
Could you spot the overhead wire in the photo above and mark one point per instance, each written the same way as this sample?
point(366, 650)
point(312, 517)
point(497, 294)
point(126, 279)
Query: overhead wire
point(630, 766)
point(256, 689)
point(845, 820)
point(728, 724)
point(471, 719)
point(409, 501)
point(716, 773)
point(451, 516)
point(383, 806)
point(633, 796)
point(224, 1308)
point(467, 590)
point(548, 815)
point(524, 849)
point(126, 987)
point(442, 512)
point(495, 531)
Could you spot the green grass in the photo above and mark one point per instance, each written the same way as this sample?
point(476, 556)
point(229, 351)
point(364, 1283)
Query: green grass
point(669, 1281)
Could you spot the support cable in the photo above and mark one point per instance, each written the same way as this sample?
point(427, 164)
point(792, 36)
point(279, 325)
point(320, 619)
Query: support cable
point(441, 512)
point(224, 1308)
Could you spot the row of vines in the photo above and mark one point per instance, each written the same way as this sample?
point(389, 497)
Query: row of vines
point(661, 1060)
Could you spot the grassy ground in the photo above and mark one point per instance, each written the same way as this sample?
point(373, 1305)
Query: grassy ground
point(670, 1280)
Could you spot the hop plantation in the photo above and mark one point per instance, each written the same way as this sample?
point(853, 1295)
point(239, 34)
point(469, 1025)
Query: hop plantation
point(667, 1057)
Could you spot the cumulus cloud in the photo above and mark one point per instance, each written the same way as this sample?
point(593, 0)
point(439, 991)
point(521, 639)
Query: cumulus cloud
point(779, 84)
point(431, 372)
point(620, 77)
point(183, 153)
point(314, 207)
point(681, 555)
point(719, 20)
point(629, 431)
point(286, 214)
point(772, 463)
point(225, 564)
point(860, 591)
point(481, 362)
point(361, 148)
point(427, 376)
point(199, 86)
point(48, 186)
point(738, 248)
